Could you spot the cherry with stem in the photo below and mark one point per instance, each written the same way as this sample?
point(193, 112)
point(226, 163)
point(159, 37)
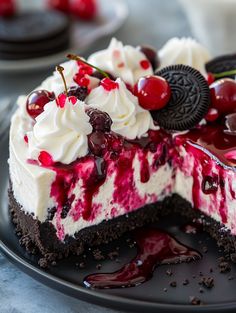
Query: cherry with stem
point(60, 70)
point(78, 58)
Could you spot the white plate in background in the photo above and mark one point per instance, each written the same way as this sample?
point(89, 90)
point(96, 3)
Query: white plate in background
point(112, 14)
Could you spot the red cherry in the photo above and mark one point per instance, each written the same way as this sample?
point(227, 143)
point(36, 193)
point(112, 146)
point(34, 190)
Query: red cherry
point(60, 5)
point(153, 92)
point(7, 8)
point(84, 9)
point(37, 100)
point(223, 96)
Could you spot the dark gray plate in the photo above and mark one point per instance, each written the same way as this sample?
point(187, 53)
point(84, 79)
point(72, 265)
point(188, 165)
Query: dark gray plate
point(149, 297)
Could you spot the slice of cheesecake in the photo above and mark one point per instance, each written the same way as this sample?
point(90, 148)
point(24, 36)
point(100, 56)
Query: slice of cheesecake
point(92, 162)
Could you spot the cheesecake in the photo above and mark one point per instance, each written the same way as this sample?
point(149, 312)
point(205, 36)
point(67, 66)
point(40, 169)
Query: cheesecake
point(111, 143)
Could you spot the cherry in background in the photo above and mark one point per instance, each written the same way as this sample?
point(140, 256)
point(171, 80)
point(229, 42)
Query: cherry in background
point(84, 9)
point(60, 5)
point(7, 8)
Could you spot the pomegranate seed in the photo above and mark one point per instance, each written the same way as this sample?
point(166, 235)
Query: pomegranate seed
point(45, 158)
point(109, 84)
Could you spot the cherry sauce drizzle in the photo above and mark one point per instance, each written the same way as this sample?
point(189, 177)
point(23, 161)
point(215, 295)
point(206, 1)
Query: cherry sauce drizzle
point(155, 248)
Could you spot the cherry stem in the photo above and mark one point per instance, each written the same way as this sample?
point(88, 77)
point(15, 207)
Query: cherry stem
point(223, 74)
point(60, 70)
point(78, 58)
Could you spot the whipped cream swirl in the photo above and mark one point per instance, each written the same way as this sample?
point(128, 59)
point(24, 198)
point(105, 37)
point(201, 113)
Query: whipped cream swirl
point(185, 51)
point(122, 61)
point(62, 132)
point(129, 119)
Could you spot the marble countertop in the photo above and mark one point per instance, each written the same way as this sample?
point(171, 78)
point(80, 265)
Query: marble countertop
point(151, 22)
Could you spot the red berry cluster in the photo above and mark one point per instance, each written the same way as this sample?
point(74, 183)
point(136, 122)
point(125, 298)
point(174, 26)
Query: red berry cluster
point(84, 9)
point(80, 77)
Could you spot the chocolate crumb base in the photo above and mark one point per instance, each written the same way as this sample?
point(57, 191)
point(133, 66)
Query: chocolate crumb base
point(40, 238)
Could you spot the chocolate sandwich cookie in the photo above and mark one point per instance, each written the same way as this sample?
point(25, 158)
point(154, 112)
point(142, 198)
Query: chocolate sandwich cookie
point(222, 64)
point(33, 34)
point(190, 98)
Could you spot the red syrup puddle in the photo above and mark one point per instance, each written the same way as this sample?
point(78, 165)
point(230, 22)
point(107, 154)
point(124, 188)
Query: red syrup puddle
point(213, 139)
point(155, 248)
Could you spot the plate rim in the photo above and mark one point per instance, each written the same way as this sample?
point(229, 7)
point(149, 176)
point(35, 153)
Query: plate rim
point(97, 298)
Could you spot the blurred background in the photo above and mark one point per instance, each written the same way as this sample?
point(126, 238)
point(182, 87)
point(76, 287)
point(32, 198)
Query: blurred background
point(137, 22)
point(131, 21)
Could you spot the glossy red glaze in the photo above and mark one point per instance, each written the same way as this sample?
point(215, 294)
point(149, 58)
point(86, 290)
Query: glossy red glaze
point(213, 139)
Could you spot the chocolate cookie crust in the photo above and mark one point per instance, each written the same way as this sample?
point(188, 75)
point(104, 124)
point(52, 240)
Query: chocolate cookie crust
point(41, 237)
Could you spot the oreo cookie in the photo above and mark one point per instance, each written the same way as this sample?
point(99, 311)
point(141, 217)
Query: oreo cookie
point(33, 34)
point(190, 98)
point(222, 64)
